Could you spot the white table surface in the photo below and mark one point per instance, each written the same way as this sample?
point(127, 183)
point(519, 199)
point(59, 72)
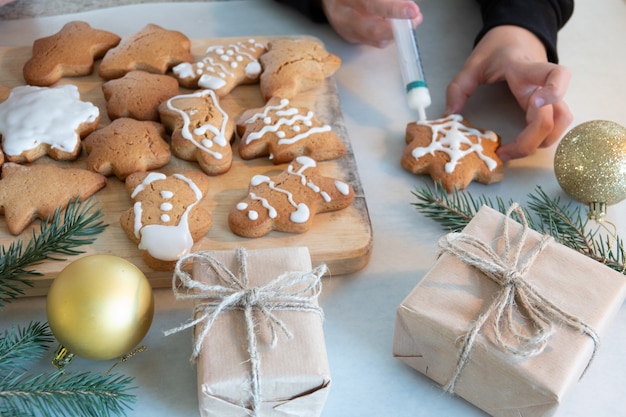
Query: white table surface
point(360, 308)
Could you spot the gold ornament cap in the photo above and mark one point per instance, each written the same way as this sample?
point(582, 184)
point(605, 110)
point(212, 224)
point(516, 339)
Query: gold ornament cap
point(590, 164)
point(100, 307)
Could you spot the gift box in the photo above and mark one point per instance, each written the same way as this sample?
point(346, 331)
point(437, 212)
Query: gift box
point(258, 339)
point(507, 318)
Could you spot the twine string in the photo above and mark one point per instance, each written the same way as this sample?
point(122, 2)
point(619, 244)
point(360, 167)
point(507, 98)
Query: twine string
point(287, 292)
point(515, 295)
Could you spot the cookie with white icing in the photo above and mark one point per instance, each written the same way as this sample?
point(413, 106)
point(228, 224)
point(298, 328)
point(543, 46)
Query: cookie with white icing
point(452, 152)
point(126, 146)
point(289, 201)
point(201, 130)
point(283, 132)
point(223, 67)
point(292, 66)
point(38, 121)
point(28, 192)
point(167, 216)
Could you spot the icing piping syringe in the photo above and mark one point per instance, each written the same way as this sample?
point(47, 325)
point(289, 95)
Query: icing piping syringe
point(417, 92)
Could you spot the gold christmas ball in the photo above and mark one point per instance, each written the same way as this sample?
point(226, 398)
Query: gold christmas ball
point(590, 162)
point(100, 307)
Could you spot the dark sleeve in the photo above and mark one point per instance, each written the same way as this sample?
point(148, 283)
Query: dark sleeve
point(311, 8)
point(544, 18)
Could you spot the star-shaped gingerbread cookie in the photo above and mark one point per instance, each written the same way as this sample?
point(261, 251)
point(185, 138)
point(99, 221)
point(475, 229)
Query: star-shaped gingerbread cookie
point(126, 146)
point(288, 201)
point(36, 191)
point(292, 66)
point(283, 131)
point(68, 53)
point(452, 152)
point(138, 94)
point(152, 49)
point(201, 130)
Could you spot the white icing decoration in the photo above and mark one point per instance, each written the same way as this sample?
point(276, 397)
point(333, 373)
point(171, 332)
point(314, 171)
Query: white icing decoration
point(342, 187)
point(166, 206)
point(32, 116)
point(219, 134)
point(453, 139)
point(167, 194)
point(165, 218)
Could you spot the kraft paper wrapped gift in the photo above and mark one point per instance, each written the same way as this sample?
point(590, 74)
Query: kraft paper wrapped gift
point(448, 326)
point(259, 341)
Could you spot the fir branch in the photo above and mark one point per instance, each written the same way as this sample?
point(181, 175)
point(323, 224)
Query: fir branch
point(19, 345)
point(60, 394)
point(60, 234)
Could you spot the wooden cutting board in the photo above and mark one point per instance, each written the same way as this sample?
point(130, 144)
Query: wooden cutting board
point(341, 239)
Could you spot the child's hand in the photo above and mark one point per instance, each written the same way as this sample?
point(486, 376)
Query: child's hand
point(516, 56)
point(365, 21)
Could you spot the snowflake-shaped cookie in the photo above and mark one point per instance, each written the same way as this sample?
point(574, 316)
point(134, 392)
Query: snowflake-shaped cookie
point(283, 131)
point(288, 201)
point(223, 67)
point(452, 152)
point(68, 53)
point(201, 130)
point(126, 146)
point(152, 49)
point(35, 191)
point(35, 121)
point(167, 216)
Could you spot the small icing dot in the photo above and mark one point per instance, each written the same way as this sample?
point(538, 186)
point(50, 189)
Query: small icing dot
point(166, 206)
point(242, 206)
point(167, 194)
point(253, 215)
point(165, 218)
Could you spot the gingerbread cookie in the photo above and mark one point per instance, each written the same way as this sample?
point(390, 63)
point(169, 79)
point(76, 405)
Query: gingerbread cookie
point(166, 218)
point(283, 131)
point(126, 146)
point(201, 130)
point(452, 152)
point(223, 67)
point(289, 201)
point(138, 94)
point(35, 121)
point(68, 53)
point(293, 66)
point(36, 191)
point(152, 49)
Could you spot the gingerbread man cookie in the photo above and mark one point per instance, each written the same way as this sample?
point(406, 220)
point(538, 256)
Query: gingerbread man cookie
point(167, 217)
point(68, 53)
point(36, 191)
point(152, 49)
point(452, 152)
point(223, 67)
point(283, 131)
point(35, 121)
point(201, 130)
point(126, 146)
point(289, 201)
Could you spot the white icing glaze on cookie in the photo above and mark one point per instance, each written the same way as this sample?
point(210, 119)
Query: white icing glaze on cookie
point(162, 241)
point(222, 62)
point(32, 116)
point(285, 127)
point(454, 138)
point(205, 143)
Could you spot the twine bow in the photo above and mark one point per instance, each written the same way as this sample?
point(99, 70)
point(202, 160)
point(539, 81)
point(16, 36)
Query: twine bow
point(290, 291)
point(508, 271)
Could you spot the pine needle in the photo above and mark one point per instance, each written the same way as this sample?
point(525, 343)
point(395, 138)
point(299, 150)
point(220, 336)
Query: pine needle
point(18, 345)
point(61, 234)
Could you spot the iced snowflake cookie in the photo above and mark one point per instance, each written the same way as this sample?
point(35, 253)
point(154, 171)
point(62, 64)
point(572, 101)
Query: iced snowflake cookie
point(68, 53)
point(167, 217)
point(283, 131)
point(288, 201)
point(152, 49)
point(294, 66)
point(35, 191)
point(38, 121)
point(138, 94)
point(452, 152)
point(201, 130)
point(126, 146)
point(223, 67)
